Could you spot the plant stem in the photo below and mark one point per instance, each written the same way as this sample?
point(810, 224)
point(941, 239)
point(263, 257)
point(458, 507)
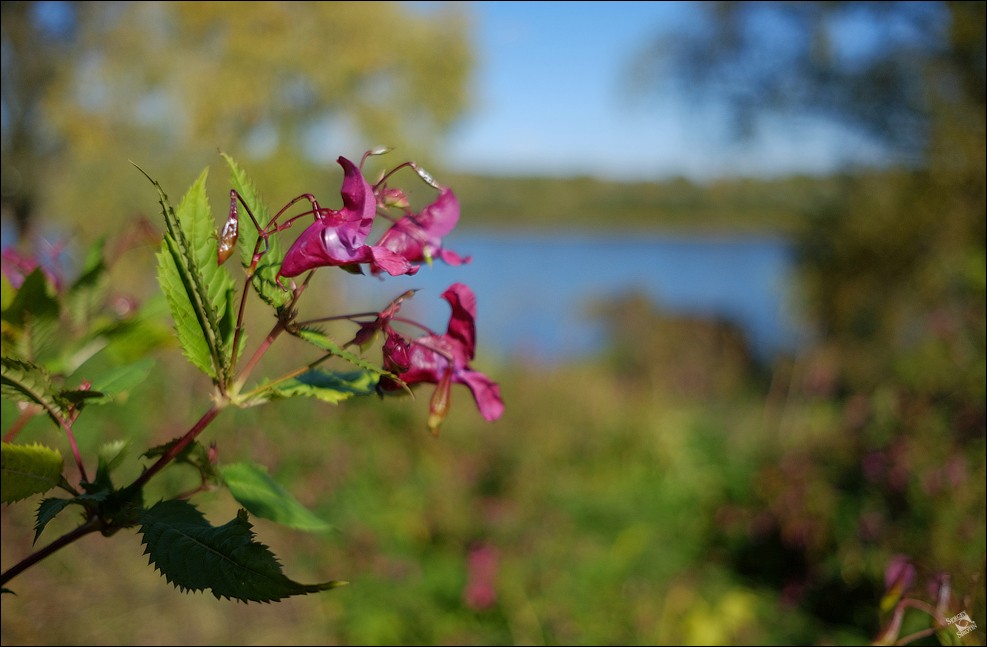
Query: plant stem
point(915, 636)
point(255, 358)
point(25, 416)
point(75, 447)
point(239, 322)
point(287, 313)
point(177, 448)
point(287, 376)
point(93, 524)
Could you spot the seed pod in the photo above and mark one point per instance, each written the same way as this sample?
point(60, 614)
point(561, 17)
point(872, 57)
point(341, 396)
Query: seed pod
point(231, 230)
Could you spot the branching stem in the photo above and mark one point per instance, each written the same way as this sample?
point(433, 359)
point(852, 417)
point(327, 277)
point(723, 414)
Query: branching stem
point(177, 448)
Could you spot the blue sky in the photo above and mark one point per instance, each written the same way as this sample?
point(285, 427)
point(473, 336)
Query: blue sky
point(550, 97)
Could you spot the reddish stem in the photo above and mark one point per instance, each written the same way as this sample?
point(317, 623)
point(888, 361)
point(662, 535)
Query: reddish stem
point(287, 312)
point(177, 448)
point(26, 415)
point(238, 332)
point(255, 358)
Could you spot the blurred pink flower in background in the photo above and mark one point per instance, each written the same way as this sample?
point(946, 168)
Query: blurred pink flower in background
point(480, 592)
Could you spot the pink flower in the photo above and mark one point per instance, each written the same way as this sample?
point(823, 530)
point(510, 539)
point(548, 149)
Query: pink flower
point(444, 360)
point(17, 267)
point(482, 565)
point(418, 237)
point(899, 574)
point(338, 238)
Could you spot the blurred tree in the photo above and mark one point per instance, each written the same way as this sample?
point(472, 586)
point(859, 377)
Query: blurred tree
point(862, 64)
point(893, 272)
point(88, 86)
point(27, 71)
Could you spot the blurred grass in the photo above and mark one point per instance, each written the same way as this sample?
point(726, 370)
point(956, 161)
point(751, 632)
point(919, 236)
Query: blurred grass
point(599, 500)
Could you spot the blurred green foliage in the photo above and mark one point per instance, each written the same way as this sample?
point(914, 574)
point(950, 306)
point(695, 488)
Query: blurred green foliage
point(888, 403)
point(603, 513)
point(667, 492)
point(722, 206)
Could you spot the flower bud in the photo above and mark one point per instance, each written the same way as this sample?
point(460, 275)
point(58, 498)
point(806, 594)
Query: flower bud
point(438, 406)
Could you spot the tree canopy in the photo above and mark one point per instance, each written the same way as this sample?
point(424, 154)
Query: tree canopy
point(288, 85)
point(878, 67)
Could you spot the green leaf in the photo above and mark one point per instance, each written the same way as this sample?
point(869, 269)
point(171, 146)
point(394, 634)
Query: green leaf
point(195, 556)
point(197, 224)
point(32, 300)
point(34, 312)
point(28, 469)
point(269, 264)
point(117, 384)
point(111, 454)
point(7, 294)
point(85, 297)
point(144, 331)
point(80, 397)
point(321, 340)
point(118, 508)
point(26, 382)
point(48, 509)
point(328, 387)
point(188, 327)
point(256, 491)
point(199, 292)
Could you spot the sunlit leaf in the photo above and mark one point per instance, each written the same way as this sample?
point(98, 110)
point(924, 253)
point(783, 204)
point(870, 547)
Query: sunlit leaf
point(199, 293)
point(34, 313)
point(197, 224)
point(85, 297)
point(117, 384)
point(326, 386)
point(26, 382)
point(256, 491)
point(112, 454)
point(270, 262)
point(187, 325)
point(325, 342)
point(28, 469)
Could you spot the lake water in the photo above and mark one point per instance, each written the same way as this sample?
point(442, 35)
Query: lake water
point(533, 288)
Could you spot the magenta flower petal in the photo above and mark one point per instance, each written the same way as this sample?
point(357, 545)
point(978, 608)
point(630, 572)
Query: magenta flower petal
point(462, 322)
point(17, 266)
point(485, 392)
point(359, 202)
point(424, 363)
point(393, 264)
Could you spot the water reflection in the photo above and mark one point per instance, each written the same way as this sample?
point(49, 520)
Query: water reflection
point(533, 289)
